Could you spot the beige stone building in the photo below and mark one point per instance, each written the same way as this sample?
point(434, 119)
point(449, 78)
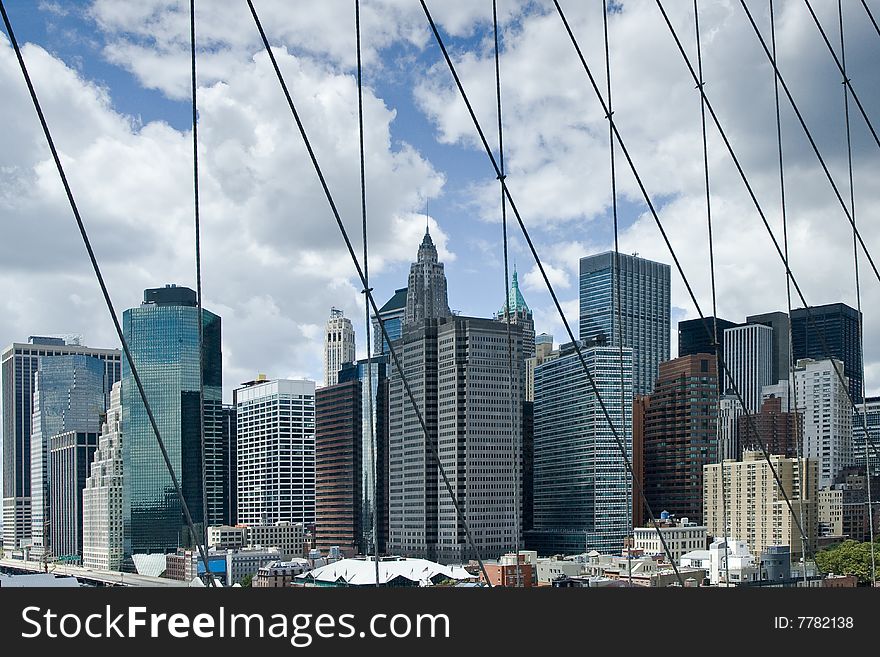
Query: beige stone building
point(756, 508)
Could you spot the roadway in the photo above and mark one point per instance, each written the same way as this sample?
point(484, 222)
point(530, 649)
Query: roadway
point(87, 575)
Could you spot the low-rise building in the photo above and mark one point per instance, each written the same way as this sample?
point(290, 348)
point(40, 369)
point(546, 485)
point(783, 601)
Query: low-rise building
point(549, 570)
point(278, 574)
point(246, 562)
point(727, 563)
point(510, 571)
point(226, 537)
point(681, 537)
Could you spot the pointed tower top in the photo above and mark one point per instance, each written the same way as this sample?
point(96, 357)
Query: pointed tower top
point(515, 299)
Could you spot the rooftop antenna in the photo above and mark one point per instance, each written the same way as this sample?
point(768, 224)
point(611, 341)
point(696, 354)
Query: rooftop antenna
point(427, 224)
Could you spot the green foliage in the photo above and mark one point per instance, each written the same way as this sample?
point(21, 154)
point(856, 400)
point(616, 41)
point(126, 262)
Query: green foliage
point(246, 581)
point(849, 558)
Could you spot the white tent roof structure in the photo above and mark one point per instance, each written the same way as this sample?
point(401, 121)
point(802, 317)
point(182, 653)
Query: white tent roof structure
point(149, 564)
point(362, 572)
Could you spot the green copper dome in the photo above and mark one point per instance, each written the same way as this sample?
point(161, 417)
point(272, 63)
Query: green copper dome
point(515, 298)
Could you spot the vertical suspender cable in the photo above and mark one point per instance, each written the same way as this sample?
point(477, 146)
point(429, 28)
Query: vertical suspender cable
point(619, 334)
point(513, 430)
point(700, 84)
point(852, 209)
point(792, 382)
point(374, 465)
point(104, 292)
point(201, 323)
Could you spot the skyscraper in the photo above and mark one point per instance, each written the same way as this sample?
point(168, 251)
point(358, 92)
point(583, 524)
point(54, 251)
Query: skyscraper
point(866, 419)
point(102, 496)
point(694, 338)
point(838, 325)
point(775, 428)
point(582, 490)
point(70, 454)
point(827, 416)
point(748, 352)
point(645, 310)
point(729, 411)
point(521, 314)
point(781, 326)
point(68, 397)
point(374, 486)
point(276, 451)
point(471, 402)
point(338, 467)
point(18, 366)
point(680, 434)
point(426, 287)
point(163, 336)
point(339, 345)
point(391, 315)
point(543, 351)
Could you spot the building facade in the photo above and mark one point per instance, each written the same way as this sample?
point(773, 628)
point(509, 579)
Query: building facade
point(70, 454)
point(680, 434)
point(339, 345)
point(391, 315)
point(582, 490)
point(696, 336)
point(749, 353)
point(781, 347)
point(471, 403)
point(778, 431)
point(729, 412)
point(822, 399)
point(163, 336)
point(644, 306)
point(830, 331)
point(102, 495)
point(68, 397)
point(756, 508)
point(680, 538)
point(426, 296)
point(543, 351)
point(866, 422)
point(18, 367)
point(373, 445)
point(276, 451)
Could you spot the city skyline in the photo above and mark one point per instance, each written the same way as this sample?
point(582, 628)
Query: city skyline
point(95, 52)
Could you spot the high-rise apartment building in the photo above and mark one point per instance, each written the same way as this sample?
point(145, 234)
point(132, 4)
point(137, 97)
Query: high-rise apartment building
point(830, 331)
point(338, 467)
point(756, 509)
point(780, 347)
point(18, 366)
point(582, 489)
point(102, 495)
point(471, 402)
point(373, 445)
point(276, 451)
point(521, 314)
point(426, 287)
point(339, 346)
point(68, 397)
point(775, 428)
point(644, 306)
point(163, 336)
point(391, 315)
point(748, 352)
point(827, 416)
point(866, 420)
point(680, 434)
point(70, 454)
point(729, 411)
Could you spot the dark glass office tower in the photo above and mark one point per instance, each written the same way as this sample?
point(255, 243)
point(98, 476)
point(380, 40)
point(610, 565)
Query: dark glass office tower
point(839, 325)
point(163, 336)
point(694, 339)
point(779, 322)
point(391, 315)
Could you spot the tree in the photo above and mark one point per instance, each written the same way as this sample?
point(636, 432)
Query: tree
point(849, 558)
point(246, 581)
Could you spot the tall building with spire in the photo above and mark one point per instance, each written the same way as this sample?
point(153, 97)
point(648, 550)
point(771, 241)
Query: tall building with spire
point(426, 287)
point(339, 345)
point(520, 314)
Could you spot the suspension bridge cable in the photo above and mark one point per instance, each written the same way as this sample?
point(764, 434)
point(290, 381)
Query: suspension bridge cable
point(97, 269)
point(593, 386)
point(372, 427)
point(201, 322)
point(501, 178)
point(792, 384)
point(852, 209)
point(754, 199)
point(659, 224)
point(809, 138)
point(842, 68)
point(700, 84)
point(319, 172)
point(792, 381)
point(620, 334)
point(871, 16)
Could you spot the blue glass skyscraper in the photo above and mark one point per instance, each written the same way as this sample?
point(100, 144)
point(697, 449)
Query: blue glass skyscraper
point(164, 340)
point(391, 315)
point(644, 311)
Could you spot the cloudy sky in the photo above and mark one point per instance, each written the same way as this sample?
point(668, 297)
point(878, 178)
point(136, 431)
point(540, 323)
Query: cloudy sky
point(113, 77)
